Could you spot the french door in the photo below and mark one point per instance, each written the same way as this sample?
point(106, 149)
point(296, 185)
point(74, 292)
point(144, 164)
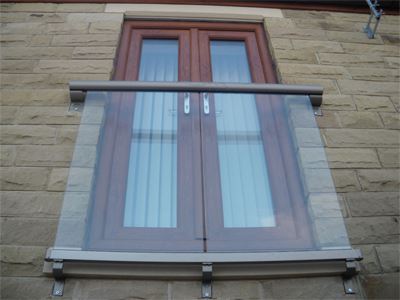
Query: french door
point(196, 172)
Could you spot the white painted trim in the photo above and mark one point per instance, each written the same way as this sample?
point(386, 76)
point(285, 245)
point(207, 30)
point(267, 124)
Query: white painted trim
point(203, 12)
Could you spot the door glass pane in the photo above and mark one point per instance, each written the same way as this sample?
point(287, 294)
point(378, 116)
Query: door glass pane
point(151, 196)
point(246, 194)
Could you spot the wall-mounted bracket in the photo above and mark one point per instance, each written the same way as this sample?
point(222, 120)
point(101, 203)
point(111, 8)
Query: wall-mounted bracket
point(352, 269)
point(376, 12)
point(58, 273)
point(76, 107)
point(77, 95)
point(317, 111)
point(206, 284)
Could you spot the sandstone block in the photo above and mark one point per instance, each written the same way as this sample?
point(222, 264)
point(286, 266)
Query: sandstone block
point(382, 286)
point(75, 204)
point(62, 80)
point(325, 24)
point(105, 27)
point(331, 232)
point(28, 7)
point(23, 178)
point(373, 230)
point(304, 288)
point(313, 158)
point(325, 205)
point(88, 134)
point(22, 261)
point(21, 17)
point(58, 179)
point(374, 74)
point(24, 80)
point(84, 156)
point(52, 97)
point(74, 66)
point(318, 46)
point(369, 264)
point(373, 103)
point(347, 17)
point(78, 7)
point(393, 62)
point(357, 48)
point(391, 120)
point(396, 102)
point(30, 204)
point(345, 181)
point(295, 33)
point(350, 60)
point(80, 179)
point(23, 28)
point(8, 113)
point(330, 86)
point(318, 181)
point(17, 66)
point(389, 256)
point(95, 17)
point(185, 289)
point(249, 289)
point(361, 138)
point(329, 119)
point(25, 135)
point(94, 52)
point(46, 115)
point(26, 288)
point(118, 289)
point(278, 43)
point(311, 71)
point(352, 158)
point(356, 119)
point(369, 204)
point(337, 102)
point(50, 156)
point(66, 135)
point(36, 52)
point(70, 232)
point(67, 28)
point(295, 56)
point(380, 180)
point(358, 87)
point(297, 14)
point(85, 40)
point(41, 40)
point(390, 39)
point(352, 37)
point(28, 232)
point(14, 40)
point(7, 155)
point(278, 22)
point(308, 137)
point(389, 157)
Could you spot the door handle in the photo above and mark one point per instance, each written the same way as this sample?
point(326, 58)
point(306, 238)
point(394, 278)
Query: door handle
point(186, 104)
point(206, 103)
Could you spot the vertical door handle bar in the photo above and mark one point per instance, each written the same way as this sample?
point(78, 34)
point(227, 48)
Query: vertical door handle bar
point(186, 105)
point(206, 103)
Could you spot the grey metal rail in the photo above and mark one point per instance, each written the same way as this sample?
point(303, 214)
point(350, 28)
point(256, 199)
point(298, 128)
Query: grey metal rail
point(305, 256)
point(78, 89)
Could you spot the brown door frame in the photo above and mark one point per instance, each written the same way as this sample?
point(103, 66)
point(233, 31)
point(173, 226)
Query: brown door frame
point(285, 235)
point(195, 66)
point(107, 230)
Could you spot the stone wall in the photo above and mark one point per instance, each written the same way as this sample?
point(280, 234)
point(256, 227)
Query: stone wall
point(43, 46)
point(359, 125)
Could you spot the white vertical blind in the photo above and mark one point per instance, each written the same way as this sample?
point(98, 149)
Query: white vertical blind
point(151, 194)
point(246, 193)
